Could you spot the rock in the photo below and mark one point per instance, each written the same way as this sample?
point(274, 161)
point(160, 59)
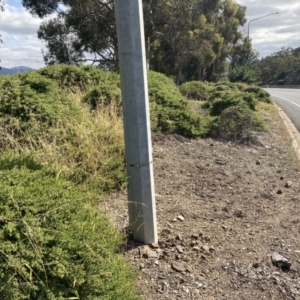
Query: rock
point(220, 161)
point(166, 231)
point(279, 192)
point(288, 184)
point(193, 242)
point(179, 249)
point(179, 237)
point(280, 261)
point(180, 218)
point(205, 248)
point(196, 248)
point(201, 278)
point(155, 245)
point(239, 214)
point(179, 267)
point(258, 163)
point(148, 253)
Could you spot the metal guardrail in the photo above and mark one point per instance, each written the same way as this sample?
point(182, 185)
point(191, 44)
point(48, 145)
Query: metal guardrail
point(280, 86)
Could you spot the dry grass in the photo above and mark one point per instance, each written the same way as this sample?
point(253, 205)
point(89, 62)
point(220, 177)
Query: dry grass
point(96, 145)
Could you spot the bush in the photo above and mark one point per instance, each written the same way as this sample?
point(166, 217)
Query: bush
point(243, 73)
point(37, 115)
point(170, 110)
point(55, 244)
point(260, 94)
point(216, 106)
point(241, 86)
point(195, 90)
point(72, 77)
point(236, 124)
point(32, 98)
point(103, 94)
point(222, 87)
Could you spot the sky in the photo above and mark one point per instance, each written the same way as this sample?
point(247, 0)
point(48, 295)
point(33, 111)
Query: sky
point(271, 33)
point(21, 46)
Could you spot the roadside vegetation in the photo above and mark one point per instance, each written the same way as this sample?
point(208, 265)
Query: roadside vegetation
point(280, 68)
point(62, 150)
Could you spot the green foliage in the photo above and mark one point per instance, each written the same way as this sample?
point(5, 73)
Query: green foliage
point(186, 39)
point(61, 141)
point(35, 101)
point(246, 73)
point(104, 94)
point(281, 67)
point(231, 107)
point(236, 124)
point(227, 94)
point(218, 105)
point(37, 114)
point(196, 90)
point(170, 112)
point(73, 78)
point(259, 93)
point(55, 243)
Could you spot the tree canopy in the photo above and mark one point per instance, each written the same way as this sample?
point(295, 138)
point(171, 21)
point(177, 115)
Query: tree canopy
point(185, 39)
point(282, 67)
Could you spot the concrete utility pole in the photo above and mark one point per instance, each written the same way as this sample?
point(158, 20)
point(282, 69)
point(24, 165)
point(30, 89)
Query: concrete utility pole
point(138, 147)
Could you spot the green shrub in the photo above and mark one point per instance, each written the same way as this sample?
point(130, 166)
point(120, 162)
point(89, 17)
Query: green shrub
point(241, 86)
point(170, 110)
point(228, 94)
point(224, 84)
point(195, 90)
point(103, 94)
point(32, 98)
point(222, 87)
point(250, 100)
point(55, 244)
point(74, 79)
point(218, 105)
point(235, 124)
point(246, 73)
point(260, 94)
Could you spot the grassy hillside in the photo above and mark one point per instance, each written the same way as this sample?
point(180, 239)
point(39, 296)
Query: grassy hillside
point(61, 144)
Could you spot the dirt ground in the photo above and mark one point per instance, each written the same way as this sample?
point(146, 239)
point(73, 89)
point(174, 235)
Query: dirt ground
point(222, 210)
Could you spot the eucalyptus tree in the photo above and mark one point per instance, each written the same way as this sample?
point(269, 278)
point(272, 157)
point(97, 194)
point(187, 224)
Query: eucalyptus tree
point(280, 67)
point(185, 39)
point(82, 31)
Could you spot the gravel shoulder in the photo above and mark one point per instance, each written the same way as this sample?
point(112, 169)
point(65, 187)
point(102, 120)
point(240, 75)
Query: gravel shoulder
point(223, 210)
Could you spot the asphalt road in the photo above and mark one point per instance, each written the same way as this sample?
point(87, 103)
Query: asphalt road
point(289, 101)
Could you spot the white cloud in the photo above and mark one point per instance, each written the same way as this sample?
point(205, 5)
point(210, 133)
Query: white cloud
point(22, 47)
point(19, 34)
point(271, 33)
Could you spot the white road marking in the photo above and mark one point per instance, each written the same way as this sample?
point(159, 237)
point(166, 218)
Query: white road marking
point(285, 99)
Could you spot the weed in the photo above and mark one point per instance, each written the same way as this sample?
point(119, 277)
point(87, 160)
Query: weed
point(55, 243)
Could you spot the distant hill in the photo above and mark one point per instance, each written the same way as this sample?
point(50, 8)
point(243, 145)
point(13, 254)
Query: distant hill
point(15, 70)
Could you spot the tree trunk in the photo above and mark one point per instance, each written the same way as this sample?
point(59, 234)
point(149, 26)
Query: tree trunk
point(148, 49)
point(178, 77)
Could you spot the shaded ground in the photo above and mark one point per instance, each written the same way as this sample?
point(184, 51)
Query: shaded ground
point(222, 210)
